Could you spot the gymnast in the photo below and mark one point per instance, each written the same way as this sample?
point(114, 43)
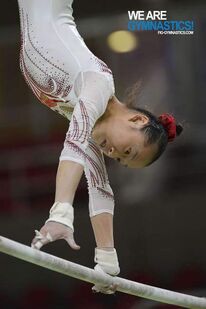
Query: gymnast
point(68, 78)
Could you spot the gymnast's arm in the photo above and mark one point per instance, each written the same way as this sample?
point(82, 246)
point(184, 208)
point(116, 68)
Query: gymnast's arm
point(72, 162)
point(101, 199)
point(101, 210)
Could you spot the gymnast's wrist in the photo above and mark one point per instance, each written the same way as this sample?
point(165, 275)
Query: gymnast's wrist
point(62, 213)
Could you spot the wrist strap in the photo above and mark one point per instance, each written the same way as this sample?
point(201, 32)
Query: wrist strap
point(62, 213)
point(107, 261)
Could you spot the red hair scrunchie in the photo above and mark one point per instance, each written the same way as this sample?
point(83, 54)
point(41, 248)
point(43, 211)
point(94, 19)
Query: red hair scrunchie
point(169, 123)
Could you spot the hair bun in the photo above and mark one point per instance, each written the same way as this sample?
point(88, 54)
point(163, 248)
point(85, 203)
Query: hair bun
point(179, 129)
point(169, 124)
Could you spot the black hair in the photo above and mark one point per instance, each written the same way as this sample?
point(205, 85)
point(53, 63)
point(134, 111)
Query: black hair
point(154, 131)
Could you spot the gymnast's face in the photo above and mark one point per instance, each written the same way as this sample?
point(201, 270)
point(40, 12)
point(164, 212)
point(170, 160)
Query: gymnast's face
point(122, 140)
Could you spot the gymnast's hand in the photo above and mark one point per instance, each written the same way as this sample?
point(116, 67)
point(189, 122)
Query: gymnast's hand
point(58, 226)
point(53, 231)
point(107, 263)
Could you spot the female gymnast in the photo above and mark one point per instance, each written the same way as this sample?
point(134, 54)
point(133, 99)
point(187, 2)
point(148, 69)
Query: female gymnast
point(68, 78)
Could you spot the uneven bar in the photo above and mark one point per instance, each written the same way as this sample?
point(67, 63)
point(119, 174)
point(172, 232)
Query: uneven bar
point(74, 270)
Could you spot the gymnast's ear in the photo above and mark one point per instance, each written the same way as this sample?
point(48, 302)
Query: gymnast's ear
point(139, 118)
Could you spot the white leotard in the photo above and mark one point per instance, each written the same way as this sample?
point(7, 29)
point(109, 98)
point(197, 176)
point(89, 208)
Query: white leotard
point(67, 77)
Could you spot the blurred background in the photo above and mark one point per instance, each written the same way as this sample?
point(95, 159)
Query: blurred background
point(160, 210)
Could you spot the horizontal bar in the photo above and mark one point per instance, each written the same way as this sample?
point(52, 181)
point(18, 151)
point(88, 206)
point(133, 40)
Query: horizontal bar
point(80, 272)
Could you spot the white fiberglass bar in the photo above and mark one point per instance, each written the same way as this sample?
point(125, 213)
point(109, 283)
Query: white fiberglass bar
point(62, 266)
